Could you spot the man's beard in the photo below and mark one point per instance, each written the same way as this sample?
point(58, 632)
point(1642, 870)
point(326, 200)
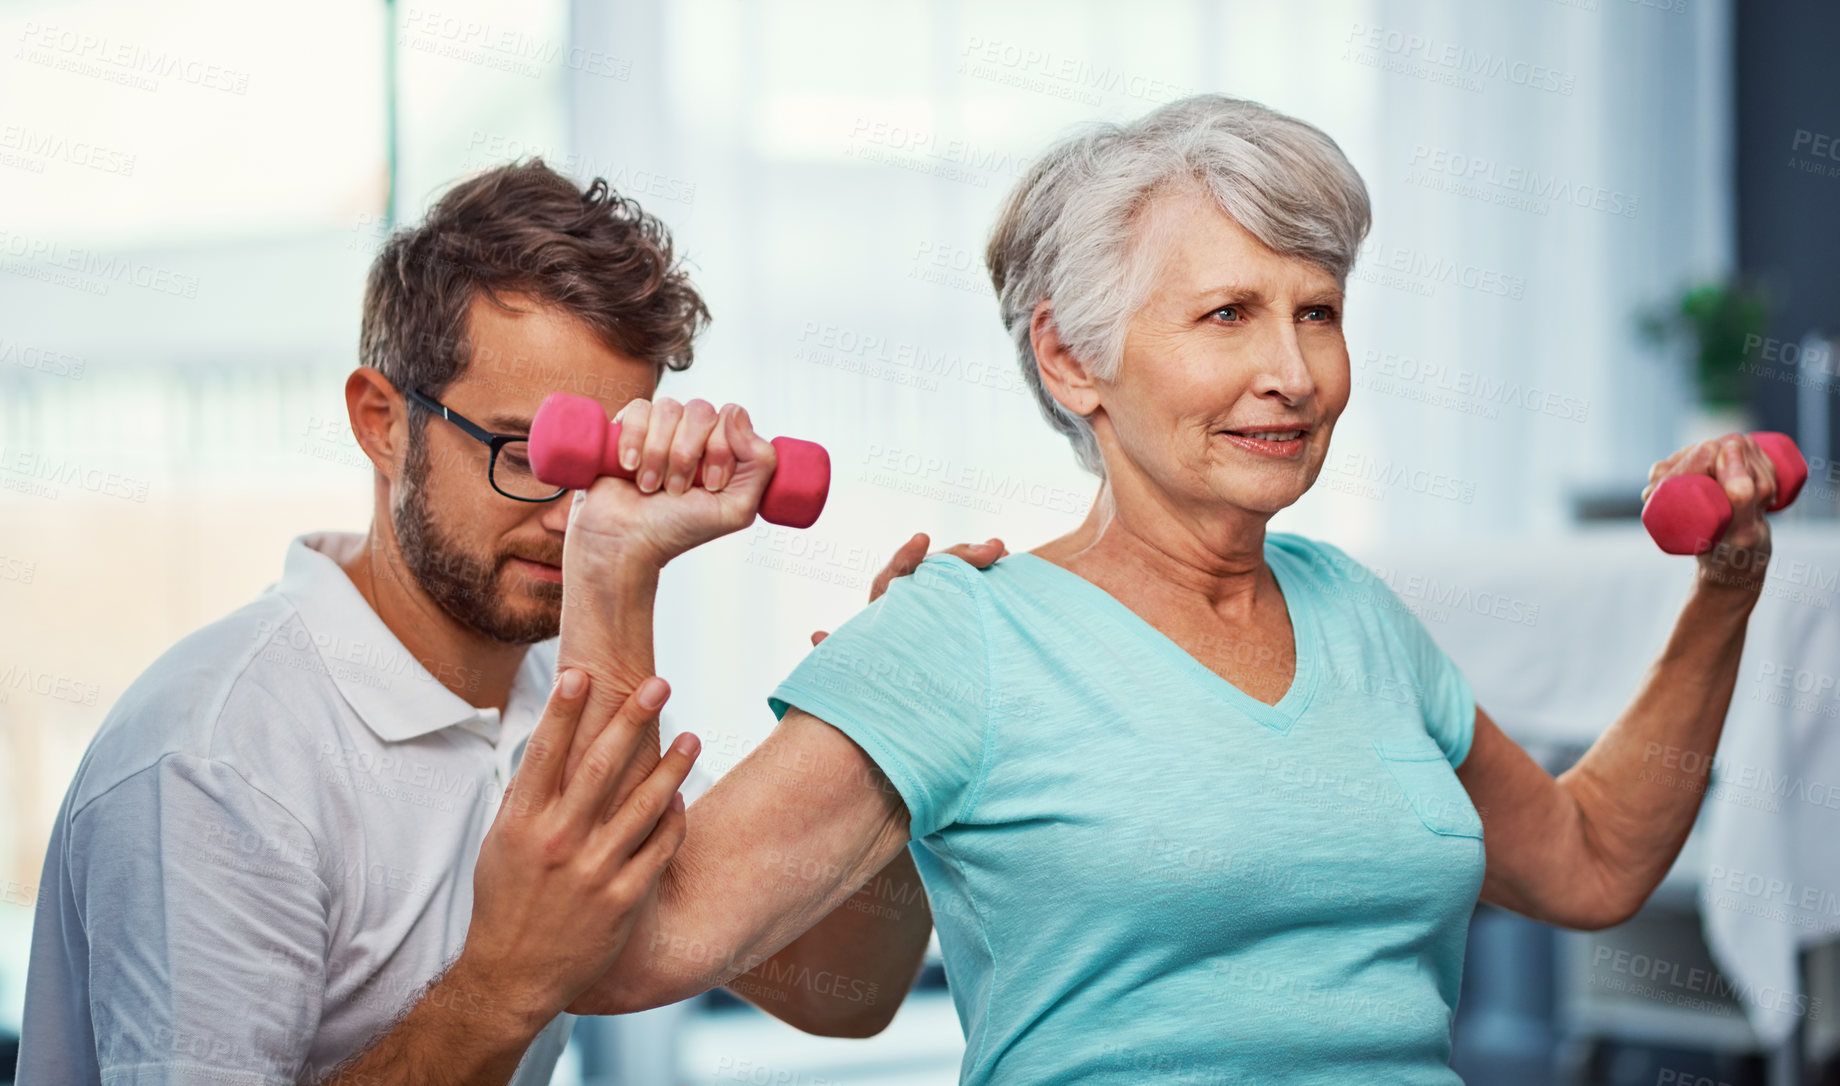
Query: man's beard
point(463, 585)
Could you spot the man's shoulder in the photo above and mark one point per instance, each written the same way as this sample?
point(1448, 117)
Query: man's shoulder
point(233, 691)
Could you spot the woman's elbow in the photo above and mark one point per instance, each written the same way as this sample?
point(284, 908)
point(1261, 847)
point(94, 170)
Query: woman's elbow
point(1611, 914)
point(1604, 908)
point(626, 995)
point(855, 1022)
point(594, 1002)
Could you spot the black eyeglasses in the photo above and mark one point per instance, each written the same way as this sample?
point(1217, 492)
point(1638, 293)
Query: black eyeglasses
point(509, 472)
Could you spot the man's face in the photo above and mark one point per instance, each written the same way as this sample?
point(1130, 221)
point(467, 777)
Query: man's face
point(491, 562)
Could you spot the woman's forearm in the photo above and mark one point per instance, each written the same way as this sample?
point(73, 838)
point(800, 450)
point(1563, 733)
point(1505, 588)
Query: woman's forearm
point(1639, 787)
point(608, 595)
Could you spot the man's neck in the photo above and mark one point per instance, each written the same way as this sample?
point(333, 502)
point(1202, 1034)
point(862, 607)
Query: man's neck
point(475, 667)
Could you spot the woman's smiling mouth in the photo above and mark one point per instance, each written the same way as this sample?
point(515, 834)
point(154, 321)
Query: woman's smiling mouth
point(1278, 443)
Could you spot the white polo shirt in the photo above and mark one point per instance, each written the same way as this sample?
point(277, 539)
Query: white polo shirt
point(268, 848)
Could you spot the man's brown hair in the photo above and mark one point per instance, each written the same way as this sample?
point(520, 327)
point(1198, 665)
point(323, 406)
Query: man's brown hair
point(524, 227)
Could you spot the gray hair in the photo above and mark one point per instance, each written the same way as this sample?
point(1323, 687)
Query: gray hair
point(1065, 234)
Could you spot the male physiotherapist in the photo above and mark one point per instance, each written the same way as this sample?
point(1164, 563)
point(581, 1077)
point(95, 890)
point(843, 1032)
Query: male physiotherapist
point(289, 854)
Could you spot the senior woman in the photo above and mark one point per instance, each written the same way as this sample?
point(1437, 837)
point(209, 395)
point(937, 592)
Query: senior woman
point(1165, 822)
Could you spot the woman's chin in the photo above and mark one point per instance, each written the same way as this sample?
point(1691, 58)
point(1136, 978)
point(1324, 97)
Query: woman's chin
point(1265, 491)
point(1267, 500)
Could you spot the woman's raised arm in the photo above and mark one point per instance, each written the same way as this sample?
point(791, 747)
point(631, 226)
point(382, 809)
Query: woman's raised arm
point(789, 834)
point(1587, 849)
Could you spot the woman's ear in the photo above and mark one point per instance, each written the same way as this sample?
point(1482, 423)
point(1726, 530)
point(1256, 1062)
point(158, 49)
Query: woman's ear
point(1064, 376)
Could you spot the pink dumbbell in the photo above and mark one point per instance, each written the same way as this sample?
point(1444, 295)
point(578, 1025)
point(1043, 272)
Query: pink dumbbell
point(573, 443)
point(1687, 514)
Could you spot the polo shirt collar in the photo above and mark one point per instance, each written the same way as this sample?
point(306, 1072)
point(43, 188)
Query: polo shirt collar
point(389, 689)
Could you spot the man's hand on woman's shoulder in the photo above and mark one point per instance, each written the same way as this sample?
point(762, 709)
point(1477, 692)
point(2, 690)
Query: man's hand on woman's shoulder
point(909, 557)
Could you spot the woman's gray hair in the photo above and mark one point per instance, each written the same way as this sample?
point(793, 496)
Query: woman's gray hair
point(1065, 234)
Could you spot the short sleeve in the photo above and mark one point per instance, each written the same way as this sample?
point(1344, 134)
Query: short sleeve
point(206, 922)
point(1444, 692)
point(907, 679)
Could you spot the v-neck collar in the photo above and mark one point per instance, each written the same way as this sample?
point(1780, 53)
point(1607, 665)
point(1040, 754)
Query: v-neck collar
point(1279, 717)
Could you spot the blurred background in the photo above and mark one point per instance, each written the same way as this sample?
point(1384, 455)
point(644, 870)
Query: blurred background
point(1603, 228)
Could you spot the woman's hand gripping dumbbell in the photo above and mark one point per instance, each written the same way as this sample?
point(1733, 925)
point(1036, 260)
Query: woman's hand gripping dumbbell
point(1709, 499)
point(714, 458)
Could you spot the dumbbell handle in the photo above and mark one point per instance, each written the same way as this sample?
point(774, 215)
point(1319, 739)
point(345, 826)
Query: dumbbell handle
point(1688, 514)
point(573, 443)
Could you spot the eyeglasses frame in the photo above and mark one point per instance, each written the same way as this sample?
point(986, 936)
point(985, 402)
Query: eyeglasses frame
point(478, 433)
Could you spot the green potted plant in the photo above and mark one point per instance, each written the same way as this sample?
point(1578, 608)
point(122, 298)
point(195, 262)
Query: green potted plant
point(1718, 320)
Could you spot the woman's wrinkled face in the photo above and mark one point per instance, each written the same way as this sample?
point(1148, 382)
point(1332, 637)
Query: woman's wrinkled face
point(1234, 371)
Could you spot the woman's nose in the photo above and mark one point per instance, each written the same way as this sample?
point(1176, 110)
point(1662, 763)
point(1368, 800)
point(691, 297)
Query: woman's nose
point(1286, 371)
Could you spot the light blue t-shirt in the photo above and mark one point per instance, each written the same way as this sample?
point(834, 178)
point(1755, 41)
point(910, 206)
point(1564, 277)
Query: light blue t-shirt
point(1140, 873)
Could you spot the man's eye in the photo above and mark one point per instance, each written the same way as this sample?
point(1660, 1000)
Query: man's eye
point(1231, 311)
point(1319, 313)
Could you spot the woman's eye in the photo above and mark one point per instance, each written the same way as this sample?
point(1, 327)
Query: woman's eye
point(1231, 311)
